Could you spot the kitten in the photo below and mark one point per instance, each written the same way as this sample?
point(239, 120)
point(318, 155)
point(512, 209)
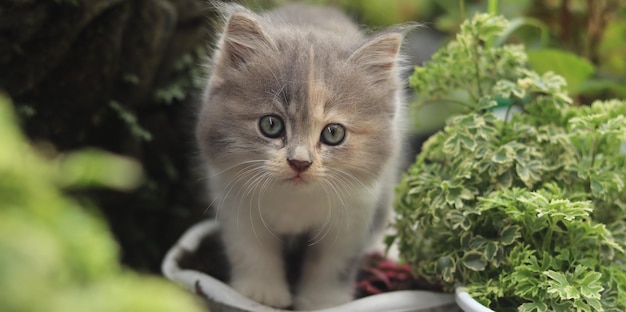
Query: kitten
point(300, 126)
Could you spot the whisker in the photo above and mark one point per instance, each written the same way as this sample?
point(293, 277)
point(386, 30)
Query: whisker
point(353, 178)
point(236, 177)
point(250, 186)
point(246, 173)
point(236, 165)
point(335, 186)
point(242, 174)
point(340, 189)
point(265, 183)
point(325, 229)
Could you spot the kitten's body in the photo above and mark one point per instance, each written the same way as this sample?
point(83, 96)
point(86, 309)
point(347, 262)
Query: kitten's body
point(311, 69)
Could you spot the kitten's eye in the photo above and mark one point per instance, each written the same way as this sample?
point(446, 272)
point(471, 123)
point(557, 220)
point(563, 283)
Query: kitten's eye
point(272, 126)
point(333, 134)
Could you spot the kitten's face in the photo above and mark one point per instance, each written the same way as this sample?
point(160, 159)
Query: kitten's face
point(299, 115)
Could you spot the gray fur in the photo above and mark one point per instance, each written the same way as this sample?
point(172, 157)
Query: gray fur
point(311, 67)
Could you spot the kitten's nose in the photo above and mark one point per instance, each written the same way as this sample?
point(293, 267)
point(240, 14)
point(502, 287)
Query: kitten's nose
point(299, 165)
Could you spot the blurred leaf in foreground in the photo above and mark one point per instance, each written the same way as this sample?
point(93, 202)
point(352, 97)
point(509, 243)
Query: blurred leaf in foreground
point(55, 255)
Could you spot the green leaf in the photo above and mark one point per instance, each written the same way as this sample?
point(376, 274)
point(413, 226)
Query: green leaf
point(613, 126)
point(518, 22)
point(606, 182)
point(597, 189)
point(573, 68)
point(509, 234)
point(560, 286)
point(490, 251)
point(474, 261)
point(558, 277)
point(486, 103)
point(91, 168)
point(590, 285)
point(529, 172)
point(504, 154)
point(505, 180)
point(458, 220)
point(595, 305)
point(563, 306)
point(532, 307)
point(456, 195)
point(477, 242)
point(446, 268)
point(453, 144)
point(470, 121)
point(486, 26)
point(131, 121)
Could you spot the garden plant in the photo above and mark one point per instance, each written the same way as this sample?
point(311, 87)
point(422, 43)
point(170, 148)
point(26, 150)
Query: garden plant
point(56, 253)
point(526, 210)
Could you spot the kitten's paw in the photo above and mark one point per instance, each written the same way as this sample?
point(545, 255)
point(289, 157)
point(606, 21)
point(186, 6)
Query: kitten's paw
point(313, 300)
point(268, 292)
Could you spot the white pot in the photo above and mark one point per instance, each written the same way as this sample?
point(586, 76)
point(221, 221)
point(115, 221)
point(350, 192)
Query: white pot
point(467, 303)
point(222, 297)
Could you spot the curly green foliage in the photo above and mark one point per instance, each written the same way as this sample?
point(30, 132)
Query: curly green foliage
point(529, 211)
point(466, 70)
point(55, 255)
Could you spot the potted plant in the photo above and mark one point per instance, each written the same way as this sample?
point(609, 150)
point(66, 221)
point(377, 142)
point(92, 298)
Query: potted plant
point(527, 212)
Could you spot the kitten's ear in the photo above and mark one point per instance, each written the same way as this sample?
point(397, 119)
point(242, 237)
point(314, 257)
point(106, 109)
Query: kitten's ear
point(379, 56)
point(243, 38)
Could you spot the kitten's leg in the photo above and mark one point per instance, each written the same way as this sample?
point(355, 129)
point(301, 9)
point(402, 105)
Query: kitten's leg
point(329, 272)
point(257, 266)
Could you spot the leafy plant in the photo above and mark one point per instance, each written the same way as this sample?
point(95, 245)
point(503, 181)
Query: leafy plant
point(583, 41)
point(528, 210)
point(130, 119)
point(186, 76)
point(55, 254)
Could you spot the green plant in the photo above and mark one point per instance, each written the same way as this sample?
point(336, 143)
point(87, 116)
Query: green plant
point(55, 253)
point(529, 210)
point(130, 119)
point(186, 76)
point(581, 40)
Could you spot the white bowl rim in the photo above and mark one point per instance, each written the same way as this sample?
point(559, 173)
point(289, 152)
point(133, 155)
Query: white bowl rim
point(467, 303)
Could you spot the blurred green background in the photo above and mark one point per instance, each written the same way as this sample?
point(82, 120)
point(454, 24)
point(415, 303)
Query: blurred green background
point(123, 76)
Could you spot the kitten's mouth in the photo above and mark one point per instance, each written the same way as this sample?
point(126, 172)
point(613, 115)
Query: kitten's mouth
point(297, 179)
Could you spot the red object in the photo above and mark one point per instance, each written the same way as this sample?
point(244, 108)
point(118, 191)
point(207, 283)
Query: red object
point(379, 274)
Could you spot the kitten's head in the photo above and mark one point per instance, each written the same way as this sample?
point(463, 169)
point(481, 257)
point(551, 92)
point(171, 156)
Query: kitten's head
point(301, 107)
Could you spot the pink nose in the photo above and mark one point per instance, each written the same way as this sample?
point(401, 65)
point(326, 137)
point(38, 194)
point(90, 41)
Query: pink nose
point(299, 165)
